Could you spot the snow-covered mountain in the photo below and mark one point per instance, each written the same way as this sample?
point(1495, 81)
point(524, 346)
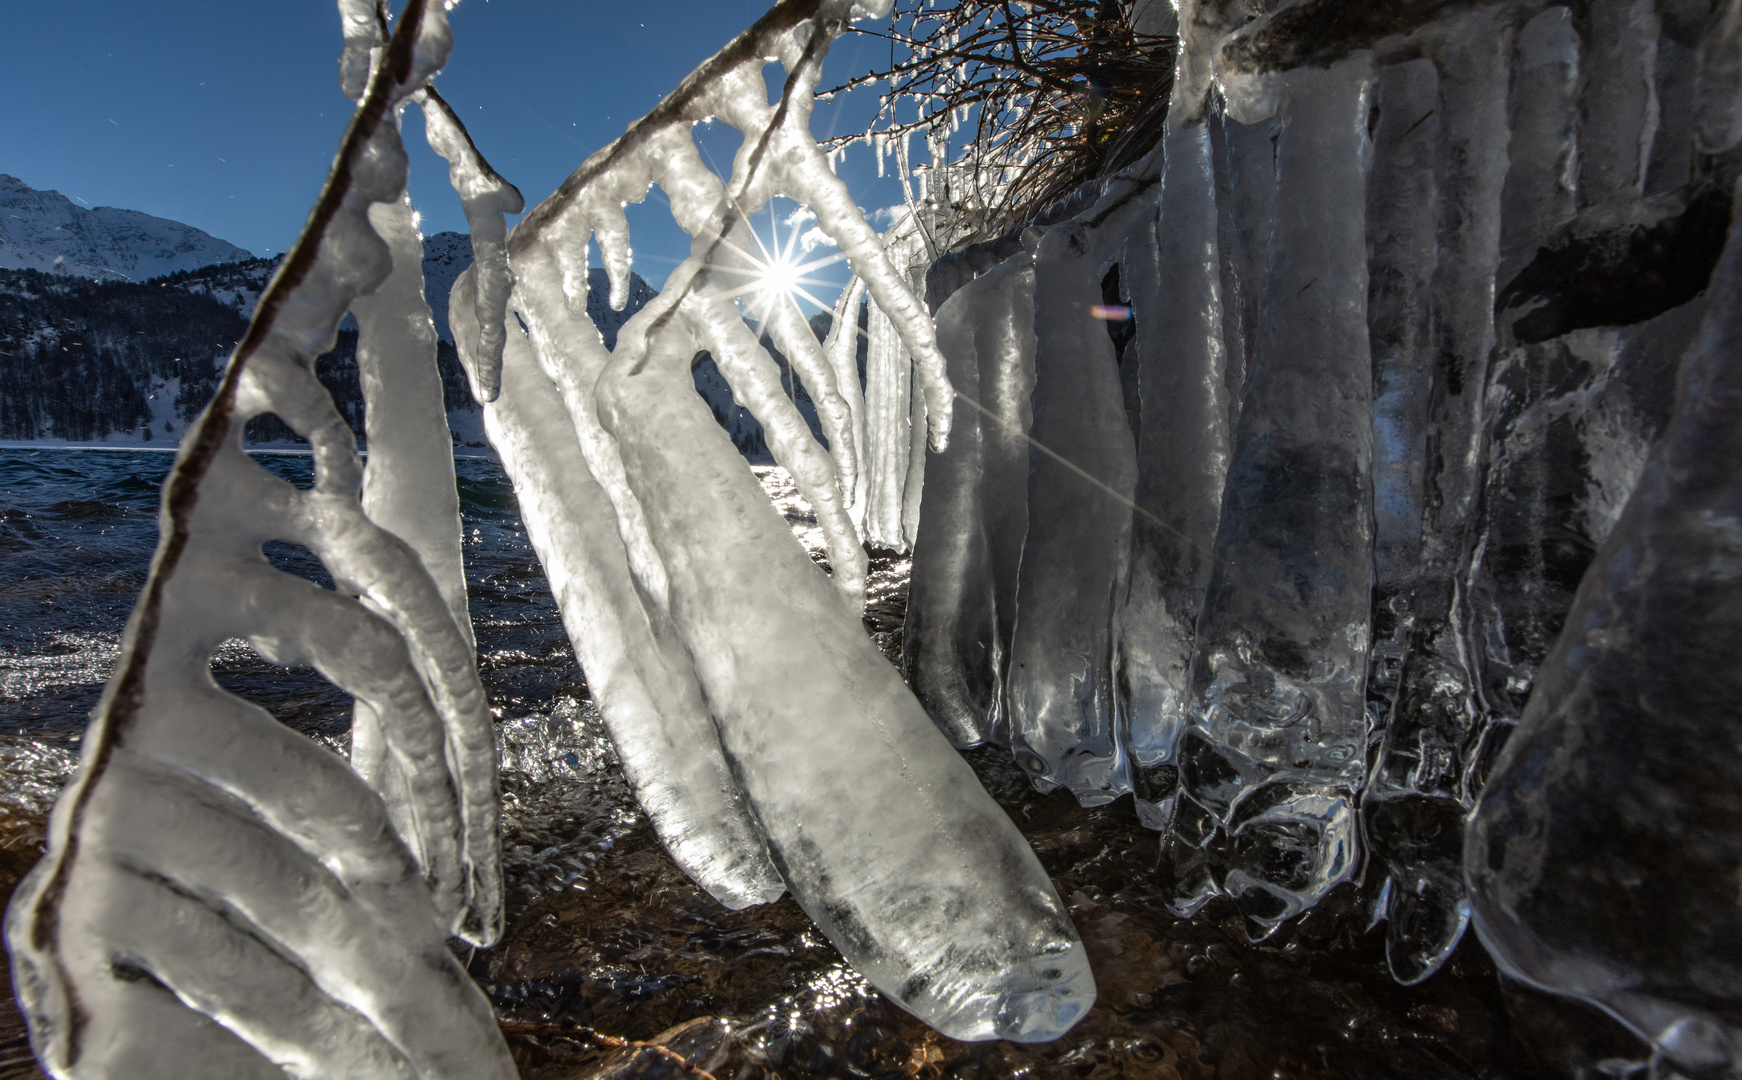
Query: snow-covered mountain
point(92, 356)
point(45, 230)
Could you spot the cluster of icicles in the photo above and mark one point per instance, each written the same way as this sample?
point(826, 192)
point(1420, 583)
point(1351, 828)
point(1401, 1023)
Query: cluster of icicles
point(222, 898)
point(1275, 552)
point(1236, 557)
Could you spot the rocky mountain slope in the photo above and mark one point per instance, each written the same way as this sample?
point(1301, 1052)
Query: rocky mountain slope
point(45, 230)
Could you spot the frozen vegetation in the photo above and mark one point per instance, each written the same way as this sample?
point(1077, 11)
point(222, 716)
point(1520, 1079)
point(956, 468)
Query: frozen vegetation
point(1349, 479)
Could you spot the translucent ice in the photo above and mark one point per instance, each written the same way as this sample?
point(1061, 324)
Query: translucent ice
point(1060, 689)
point(962, 597)
point(636, 669)
point(222, 897)
point(1282, 642)
point(1602, 855)
point(1174, 267)
point(1418, 793)
point(880, 831)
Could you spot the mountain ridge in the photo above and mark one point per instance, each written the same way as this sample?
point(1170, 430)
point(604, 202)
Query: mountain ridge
point(45, 230)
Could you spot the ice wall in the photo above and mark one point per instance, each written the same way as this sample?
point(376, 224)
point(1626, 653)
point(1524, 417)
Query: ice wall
point(1410, 295)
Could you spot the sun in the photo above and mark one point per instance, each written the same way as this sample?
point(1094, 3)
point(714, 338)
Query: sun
point(780, 277)
point(775, 274)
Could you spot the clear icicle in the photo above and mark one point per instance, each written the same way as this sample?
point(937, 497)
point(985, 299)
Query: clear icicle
point(1435, 721)
point(1618, 106)
point(1403, 224)
point(872, 833)
point(198, 826)
point(637, 671)
point(961, 602)
point(886, 431)
point(1246, 185)
point(408, 484)
point(1541, 192)
point(867, 817)
point(1173, 267)
point(1718, 85)
point(572, 354)
point(1278, 752)
point(913, 485)
point(1403, 250)
point(1060, 689)
point(1602, 855)
point(842, 350)
point(486, 197)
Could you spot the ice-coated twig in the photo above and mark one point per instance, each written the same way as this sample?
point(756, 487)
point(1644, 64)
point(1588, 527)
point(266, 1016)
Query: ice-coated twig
point(486, 198)
point(220, 896)
point(637, 669)
point(880, 831)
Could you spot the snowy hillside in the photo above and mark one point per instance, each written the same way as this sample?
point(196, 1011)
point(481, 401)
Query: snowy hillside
point(93, 357)
point(45, 230)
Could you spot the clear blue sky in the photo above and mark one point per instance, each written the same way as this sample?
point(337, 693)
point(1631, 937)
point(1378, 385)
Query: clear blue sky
point(225, 115)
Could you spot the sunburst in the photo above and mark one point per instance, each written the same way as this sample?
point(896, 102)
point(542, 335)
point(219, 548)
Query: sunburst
point(774, 272)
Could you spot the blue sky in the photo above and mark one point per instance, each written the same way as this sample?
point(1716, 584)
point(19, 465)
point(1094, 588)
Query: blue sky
point(226, 115)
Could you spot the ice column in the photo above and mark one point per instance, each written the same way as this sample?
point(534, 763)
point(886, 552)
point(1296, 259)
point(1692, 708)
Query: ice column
point(1602, 855)
point(887, 429)
point(1402, 240)
point(1060, 685)
point(962, 597)
point(1418, 797)
point(636, 668)
point(1174, 271)
point(1277, 752)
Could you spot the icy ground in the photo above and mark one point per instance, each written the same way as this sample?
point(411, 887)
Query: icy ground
point(608, 940)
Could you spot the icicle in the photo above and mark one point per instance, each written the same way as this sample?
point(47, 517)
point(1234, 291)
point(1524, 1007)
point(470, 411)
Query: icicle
point(636, 669)
point(1718, 82)
point(199, 827)
point(755, 381)
point(913, 484)
point(1602, 855)
point(886, 431)
point(572, 354)
point(883, 834)
point(486, 197)
point(408, 485)
point(365, 27)
point(962, 597)
point(878, 859)
point(1436, 718)
point(1618, 107)
point(842, 350)
point(1541, 192)
point(1403, 236)
point(1246, 186)
point(1073, 562)
point(1279, 752)
point(1173, 272)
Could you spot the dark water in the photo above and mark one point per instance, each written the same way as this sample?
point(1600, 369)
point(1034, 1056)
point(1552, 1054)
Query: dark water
point(607, 942)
